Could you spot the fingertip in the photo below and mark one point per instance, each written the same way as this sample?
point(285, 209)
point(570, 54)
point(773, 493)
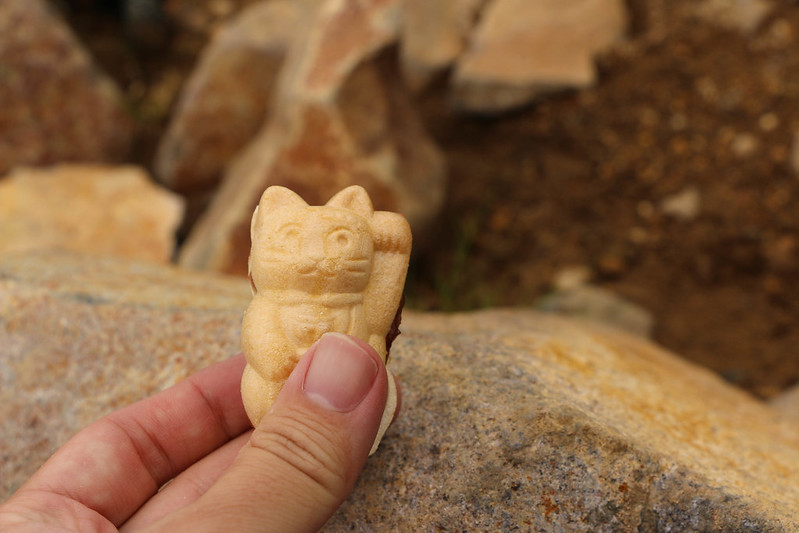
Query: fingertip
point(340, 374)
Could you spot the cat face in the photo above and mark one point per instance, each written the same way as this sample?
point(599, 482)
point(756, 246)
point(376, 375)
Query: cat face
point(325, 249)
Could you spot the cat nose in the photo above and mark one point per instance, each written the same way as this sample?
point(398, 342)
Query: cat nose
point(306, 266)
point(327, 266)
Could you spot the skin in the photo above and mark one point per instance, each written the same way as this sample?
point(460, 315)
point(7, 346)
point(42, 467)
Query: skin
point(289, 474)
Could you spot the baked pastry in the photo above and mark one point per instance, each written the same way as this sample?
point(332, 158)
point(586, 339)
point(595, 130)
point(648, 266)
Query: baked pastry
point(340, 268)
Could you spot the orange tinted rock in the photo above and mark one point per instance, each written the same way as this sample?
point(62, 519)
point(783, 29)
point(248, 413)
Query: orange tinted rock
point(102, 210)
point(55, 105)
point(341, 117)
point(225, 101)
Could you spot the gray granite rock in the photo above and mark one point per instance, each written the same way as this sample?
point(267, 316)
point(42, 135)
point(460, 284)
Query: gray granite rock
point(588, 302)
point(55, 105)
point(81, 336)
point(512, 420)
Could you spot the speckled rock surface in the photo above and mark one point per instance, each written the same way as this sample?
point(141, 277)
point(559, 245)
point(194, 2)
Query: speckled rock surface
point(55, 105)
point(512, 420)
point(516, 420)
point(113, 210)
point(81, 336)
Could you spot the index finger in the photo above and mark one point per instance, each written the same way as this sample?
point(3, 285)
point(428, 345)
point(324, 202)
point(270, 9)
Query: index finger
point(117, 463)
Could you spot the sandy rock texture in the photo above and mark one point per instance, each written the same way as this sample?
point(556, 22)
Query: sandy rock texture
point(81, 335)
point(55, 105)
point(511, 419)
point(105, 210)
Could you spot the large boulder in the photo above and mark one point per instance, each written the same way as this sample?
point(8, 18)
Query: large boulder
point(511, 419)
point(55, 105)
point(339, 117)
point(105, 210)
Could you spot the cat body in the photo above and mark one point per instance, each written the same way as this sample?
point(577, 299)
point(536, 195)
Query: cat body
point(316, 269)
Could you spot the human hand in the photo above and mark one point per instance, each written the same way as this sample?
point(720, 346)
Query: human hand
point(289, 474)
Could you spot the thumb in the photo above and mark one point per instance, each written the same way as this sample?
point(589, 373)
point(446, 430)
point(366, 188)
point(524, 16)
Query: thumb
point(304, 457)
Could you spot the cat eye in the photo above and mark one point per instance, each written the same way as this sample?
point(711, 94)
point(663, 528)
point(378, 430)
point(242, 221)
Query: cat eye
point(289, 231)
point(288, 237)
point(339, 239)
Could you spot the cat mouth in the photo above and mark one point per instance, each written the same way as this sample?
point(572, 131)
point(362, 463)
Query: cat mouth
point(329, 268)
point(316, 270)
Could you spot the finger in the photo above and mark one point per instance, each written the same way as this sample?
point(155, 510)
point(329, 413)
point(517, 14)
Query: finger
point(188, 486)
point(304, 457)
point(192, 483)
point(117, 463)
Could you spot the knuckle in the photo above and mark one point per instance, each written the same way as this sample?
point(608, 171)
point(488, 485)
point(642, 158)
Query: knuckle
point(306, 449)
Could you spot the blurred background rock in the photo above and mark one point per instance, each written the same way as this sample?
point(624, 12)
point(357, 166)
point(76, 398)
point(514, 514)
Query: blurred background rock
point(649, 146)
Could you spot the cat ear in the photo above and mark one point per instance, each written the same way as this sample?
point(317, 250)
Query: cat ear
point(355, 198)
point(277, 196)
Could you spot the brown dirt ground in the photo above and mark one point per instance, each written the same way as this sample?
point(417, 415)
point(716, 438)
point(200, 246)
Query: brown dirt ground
point(577, 179)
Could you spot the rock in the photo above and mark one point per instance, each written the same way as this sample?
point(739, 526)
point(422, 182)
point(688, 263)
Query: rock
point(203, 17)
point(744, 145)
point(742, 15)
point(56, 105)
point(511, 419)
point(522, 49)
point(81, 336)
point(146, 24)
point(433, 36)
point(341, 117)
point(225, 101)
point(572, 277)
point(600, 305)
point(787, 403)
point(795, 154)
point(683, 205)
point(98, 209)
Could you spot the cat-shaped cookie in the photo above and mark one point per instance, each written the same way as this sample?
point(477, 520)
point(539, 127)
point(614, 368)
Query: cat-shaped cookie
point(315, 269)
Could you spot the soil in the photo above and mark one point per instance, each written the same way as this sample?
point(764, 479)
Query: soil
point(579, 179)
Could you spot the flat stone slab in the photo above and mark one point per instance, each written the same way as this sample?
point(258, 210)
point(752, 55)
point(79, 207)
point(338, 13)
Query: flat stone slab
point(511, 419)
point(99, 209)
